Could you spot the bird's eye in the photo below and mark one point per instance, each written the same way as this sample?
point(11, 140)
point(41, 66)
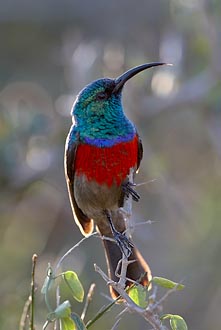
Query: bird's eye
point(101, 96)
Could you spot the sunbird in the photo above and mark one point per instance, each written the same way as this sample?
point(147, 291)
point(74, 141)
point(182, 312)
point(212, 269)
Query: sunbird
point(102, 149)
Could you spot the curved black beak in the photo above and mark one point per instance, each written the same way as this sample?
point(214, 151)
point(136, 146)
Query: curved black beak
point(120, 81)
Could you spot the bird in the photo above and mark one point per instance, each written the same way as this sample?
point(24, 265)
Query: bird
point(102, 149)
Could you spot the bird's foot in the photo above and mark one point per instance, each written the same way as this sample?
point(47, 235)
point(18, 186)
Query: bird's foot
point(123, 242)
point(128, 190)
point(121, 239)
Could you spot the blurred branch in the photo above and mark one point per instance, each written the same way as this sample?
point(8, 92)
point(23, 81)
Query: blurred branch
point(71, 250)
point(195, 89)
point(30, 303)
point(191, 92)
point(88, 300)
point(59, 263)
point(34, 260)
point(101, 313)
point(212, 29)
point(25, 313)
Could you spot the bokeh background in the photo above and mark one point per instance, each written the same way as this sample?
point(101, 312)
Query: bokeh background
point(49, 50)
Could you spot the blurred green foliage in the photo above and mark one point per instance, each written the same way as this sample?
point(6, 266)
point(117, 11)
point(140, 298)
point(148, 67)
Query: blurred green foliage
point(49, 51)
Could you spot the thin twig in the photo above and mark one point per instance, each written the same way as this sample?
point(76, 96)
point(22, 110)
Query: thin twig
point(29, 304)
point(146, 182)
point(34, 261)
point(122, 312)
point(101, 313)
point(50, 277)
point(163, 298)
point(115, 324)
point(25, 313)
point(71, 250)
point(58, 297)
point(123, 273)
point(56, 324)
point(148, 314)
point(132, 226)
point(88, 300)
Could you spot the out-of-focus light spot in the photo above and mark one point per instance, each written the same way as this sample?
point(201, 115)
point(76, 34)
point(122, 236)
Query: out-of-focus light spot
point(189, 4)
point(22, 98)
point(114, 55)
point(64, 103)
point(171, 48)
point(163, 83)
point(84, 56)
point(38, 156)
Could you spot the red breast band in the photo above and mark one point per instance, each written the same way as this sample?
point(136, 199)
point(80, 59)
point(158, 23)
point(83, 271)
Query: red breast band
point(106, 165)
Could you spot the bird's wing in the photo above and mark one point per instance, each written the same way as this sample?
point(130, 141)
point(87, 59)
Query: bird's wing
point(139, 152)
point(85, 224)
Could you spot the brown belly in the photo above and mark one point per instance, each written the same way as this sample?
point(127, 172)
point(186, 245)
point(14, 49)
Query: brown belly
point(94, 198)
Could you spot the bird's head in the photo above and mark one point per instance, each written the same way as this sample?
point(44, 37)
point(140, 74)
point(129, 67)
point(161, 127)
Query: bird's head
point(101, 99)
point(95, 98)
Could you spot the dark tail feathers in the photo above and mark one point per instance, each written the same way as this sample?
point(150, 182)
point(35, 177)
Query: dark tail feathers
point(136, 271)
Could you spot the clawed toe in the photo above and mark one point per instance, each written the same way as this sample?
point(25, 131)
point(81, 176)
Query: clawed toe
point(124, 243)
point(128, 190)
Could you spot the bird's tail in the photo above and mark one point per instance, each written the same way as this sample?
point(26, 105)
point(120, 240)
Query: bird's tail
point(137, 271)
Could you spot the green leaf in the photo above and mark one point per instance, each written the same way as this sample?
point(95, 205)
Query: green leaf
point(63, 310)
point(178, 323)
point(67, 323)
point(138, 294)
point(74, 284)
point(168, 284)
point(166, 316)
point(78, 322)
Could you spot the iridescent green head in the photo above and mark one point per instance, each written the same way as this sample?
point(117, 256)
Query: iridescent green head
point(98, 111)
point(96, 100)
point(102, 95)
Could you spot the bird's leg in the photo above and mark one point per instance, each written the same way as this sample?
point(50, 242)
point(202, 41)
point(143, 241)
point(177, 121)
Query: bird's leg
point(121, 239)
point(128, 190)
